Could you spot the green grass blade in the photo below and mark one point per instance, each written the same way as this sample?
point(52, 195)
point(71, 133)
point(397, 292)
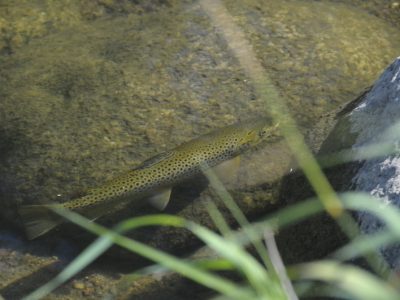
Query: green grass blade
point(361, 153)
point(98, 247)
point(218, 220)
point(239, 216)
point(388, 213)
point(353, 280)
point(255, 273)
point(86, 257)
point(365, 244)
point(276, 260)
point(205, 278)
point(217, 264)
point(275, 105)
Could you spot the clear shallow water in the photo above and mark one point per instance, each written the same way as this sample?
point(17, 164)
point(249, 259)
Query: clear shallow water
point(99, 89)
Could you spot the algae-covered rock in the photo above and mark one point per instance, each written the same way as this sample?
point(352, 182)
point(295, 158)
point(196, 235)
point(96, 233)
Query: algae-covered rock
point(79, 107)
point(96, 91)
point(82, 107)
point(318, 54)
point(27, 20)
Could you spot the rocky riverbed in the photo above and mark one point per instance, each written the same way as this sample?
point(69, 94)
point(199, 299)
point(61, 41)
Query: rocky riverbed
point(90, 89)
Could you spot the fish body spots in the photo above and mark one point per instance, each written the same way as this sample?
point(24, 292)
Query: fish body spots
point(171, 167)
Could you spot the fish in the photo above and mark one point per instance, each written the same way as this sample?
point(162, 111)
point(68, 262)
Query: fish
point(153, 179)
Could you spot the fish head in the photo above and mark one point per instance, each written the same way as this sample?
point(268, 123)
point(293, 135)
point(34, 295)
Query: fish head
point(253, 133)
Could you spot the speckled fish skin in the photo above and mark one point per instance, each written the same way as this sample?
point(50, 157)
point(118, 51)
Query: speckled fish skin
point(154, 178)
point(178, 164)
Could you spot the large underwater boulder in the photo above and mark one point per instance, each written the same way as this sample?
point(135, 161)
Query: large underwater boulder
point(370, 123)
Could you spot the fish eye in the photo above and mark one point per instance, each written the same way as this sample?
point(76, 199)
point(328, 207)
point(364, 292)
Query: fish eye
point(250, 132)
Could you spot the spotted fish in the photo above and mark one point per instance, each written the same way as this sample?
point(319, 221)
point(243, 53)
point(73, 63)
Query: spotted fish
point(154, 178)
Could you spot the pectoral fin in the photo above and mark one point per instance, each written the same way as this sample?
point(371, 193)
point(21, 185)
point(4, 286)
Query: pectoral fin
point(161, 199)
point(227, 171)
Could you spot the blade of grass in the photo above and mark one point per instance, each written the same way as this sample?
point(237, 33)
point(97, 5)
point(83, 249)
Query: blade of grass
point(209, 264)
point(287, 216)
point(361, 153)
point(277, 108)
point(216, 264)
point(320, 290)
point(247, 58)
point(350, 200)
point(278, 264)
point(218, 219)
point(389, 213)
point(108, 237)
point(386, 146)
point(239, 216)
point(365, 244)
point(300, 211)
point(86, 257)
point(255, 273)
point(253, 270)
point(352, 280)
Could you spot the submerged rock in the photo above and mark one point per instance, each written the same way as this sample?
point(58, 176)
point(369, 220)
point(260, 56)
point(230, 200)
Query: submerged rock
point(82, 103)
point(373, 120)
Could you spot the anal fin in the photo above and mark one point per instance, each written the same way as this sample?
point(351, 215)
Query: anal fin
point(160, 199)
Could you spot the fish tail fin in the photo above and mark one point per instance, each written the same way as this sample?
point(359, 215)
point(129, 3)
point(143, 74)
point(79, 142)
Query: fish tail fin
point(38, 219)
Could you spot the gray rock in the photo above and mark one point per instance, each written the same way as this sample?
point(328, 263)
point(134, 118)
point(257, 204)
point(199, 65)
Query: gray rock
point(371, 122)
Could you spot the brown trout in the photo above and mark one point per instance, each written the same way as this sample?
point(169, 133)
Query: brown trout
point(154, 178)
